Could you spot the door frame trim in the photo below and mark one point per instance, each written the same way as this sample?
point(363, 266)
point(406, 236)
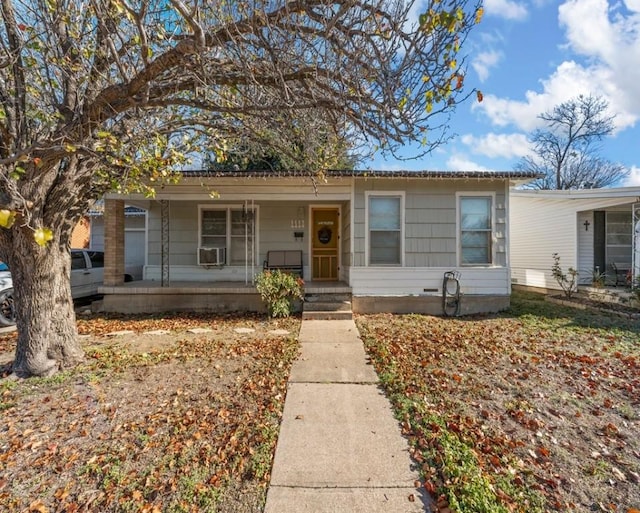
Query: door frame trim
point(325, 206)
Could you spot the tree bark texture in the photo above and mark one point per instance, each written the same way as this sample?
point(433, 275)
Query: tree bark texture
point(45, 316)
point(47, 333)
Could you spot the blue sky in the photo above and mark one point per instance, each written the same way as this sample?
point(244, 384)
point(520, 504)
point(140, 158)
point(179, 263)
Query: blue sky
point(528, 56)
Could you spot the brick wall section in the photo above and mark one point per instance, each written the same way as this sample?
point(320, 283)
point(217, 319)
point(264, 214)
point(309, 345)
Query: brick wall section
point(113, 242)
point(81, 234)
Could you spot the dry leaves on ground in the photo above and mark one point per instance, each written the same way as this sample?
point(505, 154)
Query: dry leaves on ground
point(534, 410)
point(167, 422)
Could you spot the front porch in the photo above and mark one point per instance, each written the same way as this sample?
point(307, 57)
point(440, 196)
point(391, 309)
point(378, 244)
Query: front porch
point(193, 237)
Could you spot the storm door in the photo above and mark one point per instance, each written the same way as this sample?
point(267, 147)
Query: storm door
point(325, 224)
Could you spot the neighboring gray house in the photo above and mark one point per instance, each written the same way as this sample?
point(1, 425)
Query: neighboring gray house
point(385, 237)
point(590, 229)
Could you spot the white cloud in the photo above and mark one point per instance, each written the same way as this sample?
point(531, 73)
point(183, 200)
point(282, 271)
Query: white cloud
point(483, 63)
point(634, 177)
point(569, 80)
point(462, 163)
point(611, 40)
point(605, 44)
point(498, 145)
point(505, 9)
point(589, 31)
point(633, 5)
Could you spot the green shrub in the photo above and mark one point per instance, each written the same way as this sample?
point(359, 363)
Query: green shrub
point(278, 291)
point(598, 278)
point(566, 281)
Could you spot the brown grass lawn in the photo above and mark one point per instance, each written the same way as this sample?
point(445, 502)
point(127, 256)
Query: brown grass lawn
point(537, 409)
point(180, 422)
point(534, 410)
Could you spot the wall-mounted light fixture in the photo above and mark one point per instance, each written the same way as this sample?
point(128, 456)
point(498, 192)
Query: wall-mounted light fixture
point(586, 225)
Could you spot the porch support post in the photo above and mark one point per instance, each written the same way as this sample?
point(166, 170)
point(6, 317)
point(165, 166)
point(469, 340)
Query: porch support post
point(165, 214)
point(113, 242)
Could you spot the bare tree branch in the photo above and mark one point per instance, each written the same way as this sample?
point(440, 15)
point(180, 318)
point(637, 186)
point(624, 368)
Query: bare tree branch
point(567, 151)
point(99, 95)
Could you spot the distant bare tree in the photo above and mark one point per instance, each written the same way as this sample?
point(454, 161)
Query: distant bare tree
point(99, 95)
point(567, 151)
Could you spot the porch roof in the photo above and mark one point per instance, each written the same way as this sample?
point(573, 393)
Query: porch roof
point(630, 194)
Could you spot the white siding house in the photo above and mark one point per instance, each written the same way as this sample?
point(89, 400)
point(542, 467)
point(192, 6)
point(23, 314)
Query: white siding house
point(387, 237)
point(591, 230)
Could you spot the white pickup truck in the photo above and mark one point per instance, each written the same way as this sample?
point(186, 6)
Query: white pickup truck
point(87, 274)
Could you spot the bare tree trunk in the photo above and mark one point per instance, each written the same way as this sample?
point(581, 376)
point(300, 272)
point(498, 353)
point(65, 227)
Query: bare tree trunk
point(47, 333)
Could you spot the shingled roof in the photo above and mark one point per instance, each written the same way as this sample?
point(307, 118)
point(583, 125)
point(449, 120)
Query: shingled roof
point(362, 173)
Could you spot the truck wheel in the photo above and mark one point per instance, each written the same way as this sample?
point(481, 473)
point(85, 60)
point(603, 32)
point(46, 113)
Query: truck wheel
point(7, 313)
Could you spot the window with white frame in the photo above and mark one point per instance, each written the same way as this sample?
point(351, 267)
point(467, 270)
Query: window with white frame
point(476, 230)
point(619, 236)
point(232, 228)
point(385, 229)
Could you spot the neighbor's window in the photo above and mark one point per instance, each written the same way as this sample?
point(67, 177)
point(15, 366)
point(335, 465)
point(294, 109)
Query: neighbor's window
point(230, 228)
point(475, 229)
point(385, 230)
point(619, 237)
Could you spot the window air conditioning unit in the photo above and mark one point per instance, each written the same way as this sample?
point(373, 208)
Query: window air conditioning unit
point(211, 256)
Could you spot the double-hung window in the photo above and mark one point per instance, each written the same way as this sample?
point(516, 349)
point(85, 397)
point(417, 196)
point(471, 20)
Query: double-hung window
point(384, 217)
point(232, 228)
point(476, 230)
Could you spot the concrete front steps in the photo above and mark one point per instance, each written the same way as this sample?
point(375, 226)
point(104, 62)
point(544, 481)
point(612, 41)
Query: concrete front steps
point(327, 306)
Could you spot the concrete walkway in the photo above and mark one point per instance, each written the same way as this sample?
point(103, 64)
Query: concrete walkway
point(340, 449)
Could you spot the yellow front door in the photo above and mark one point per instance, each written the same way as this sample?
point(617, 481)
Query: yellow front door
point(324, 249)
